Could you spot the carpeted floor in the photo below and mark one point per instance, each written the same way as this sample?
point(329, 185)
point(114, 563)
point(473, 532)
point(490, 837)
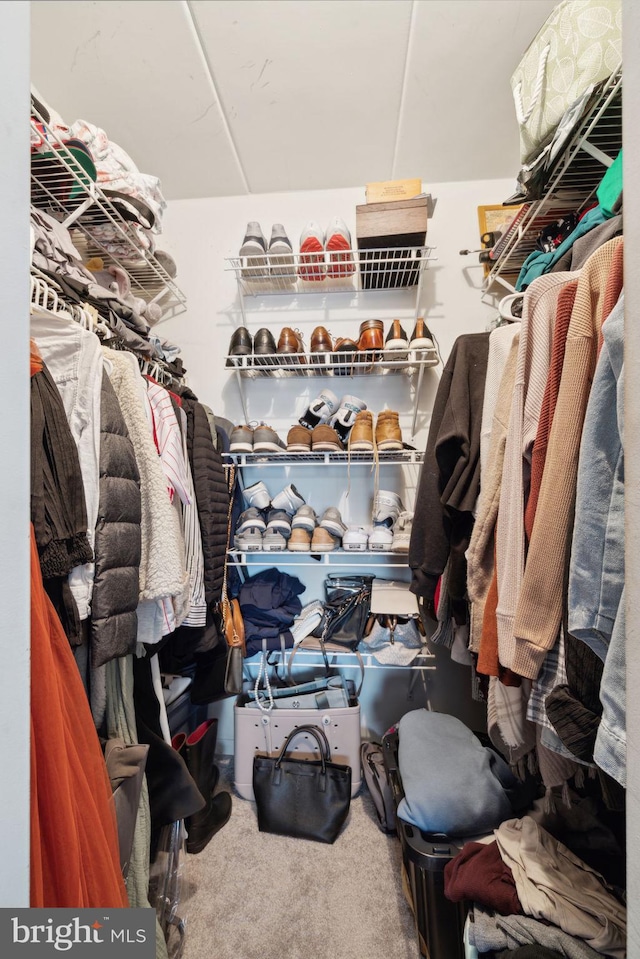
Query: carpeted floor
point(250, 895)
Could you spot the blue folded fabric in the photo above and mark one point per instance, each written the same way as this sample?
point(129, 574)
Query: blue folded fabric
point(538, 262)
point(452, 783)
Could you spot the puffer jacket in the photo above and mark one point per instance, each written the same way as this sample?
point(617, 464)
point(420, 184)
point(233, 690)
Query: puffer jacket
point(114, 623)
point(212, 496)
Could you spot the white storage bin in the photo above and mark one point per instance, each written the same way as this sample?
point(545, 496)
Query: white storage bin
point(258, 732)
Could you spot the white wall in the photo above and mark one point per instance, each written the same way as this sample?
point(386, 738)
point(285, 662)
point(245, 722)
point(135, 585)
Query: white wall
point(200, 234)
point(14, 440)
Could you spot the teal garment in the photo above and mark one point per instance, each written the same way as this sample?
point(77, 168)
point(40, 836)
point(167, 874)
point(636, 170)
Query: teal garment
point(610, 189)
point(538, 262)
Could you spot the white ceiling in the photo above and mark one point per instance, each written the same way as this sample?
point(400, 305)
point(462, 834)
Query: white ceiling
point(225, 97)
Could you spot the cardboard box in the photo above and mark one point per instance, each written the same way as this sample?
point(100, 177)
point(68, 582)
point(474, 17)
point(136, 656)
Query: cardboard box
point(392, 190)
point(400, 226)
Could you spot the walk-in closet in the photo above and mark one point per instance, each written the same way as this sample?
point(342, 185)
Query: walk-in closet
point(321, 550)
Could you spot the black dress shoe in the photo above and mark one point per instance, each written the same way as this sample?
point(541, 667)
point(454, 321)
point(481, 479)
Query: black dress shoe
point(264, 345)
point(239, 345)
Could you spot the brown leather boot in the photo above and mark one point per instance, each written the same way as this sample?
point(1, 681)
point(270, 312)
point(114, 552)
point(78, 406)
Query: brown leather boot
point(371, 335)
point(361, 436)
point(388, 432)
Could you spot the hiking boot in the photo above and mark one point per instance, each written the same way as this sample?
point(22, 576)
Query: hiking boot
point(257, 495)
point(361, 436)
point(251, 517)
point(299, 440)
point(338, 245)
point(253, 253)
point(240, 344)
point(288, 499)
point(421, 338)
point(279, 522)
point(280, 253)
point(273, 542)
point(249, 541)
point(241, 439)
point(344, 418)
point(402, 533)
point(325, 439)
point(388, 432)
point(305, 518)
point(355, 539)
point(332, 522)
point(312, 266)
point(387, 506)
point(300, 540)
point(371, 335)
point(266, 440)
point(320, 410)
point(323, 541)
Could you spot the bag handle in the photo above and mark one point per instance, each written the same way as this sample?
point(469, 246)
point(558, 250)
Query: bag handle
point(523, 117)
point(318, 735)
point(327, 664)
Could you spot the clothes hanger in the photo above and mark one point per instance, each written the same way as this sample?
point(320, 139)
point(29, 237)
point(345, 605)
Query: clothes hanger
point(505, 307)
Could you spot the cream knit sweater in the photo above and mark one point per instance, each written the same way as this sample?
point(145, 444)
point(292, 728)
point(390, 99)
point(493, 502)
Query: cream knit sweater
point(534, 354)
point(539, 607)
point(480, 554)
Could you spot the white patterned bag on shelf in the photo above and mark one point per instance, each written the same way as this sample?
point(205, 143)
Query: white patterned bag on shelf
point(579, 46)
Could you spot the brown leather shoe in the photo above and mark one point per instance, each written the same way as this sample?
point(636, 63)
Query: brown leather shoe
point(325, 439)
point(361, 436)
point(321, 341)
point(388, 432)
point(371, 335)
point(298, 440)
point(421, 338)
point(345, 353)
point(290, 342)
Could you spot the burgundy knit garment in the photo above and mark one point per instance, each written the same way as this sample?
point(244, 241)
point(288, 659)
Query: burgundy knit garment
point(479, 874)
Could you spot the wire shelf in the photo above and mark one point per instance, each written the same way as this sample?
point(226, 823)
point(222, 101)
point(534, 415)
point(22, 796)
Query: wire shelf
point(336, 557)
point(354, 458)
point(571, 187)
point(62, 185)
point(354, 363)
point(387, 268)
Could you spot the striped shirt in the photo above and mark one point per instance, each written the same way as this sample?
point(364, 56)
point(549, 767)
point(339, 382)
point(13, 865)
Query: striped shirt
point(168, 440)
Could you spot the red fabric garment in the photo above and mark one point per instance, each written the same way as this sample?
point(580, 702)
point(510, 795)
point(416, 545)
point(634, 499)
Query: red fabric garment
point(479, 874)
point(539, 453)
point(488, 663)
point(75, 860)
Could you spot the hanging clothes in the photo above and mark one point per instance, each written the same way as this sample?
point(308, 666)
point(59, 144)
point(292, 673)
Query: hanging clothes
point(75, 860)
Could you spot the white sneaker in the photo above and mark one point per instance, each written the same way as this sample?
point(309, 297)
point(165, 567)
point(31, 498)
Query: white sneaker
point(355, 539)
point(312, 266)
point(253, 252)
point(402, 533)
point(332, 522)
point(344, 418)
point(310, 617)
point(338, 246)
point(273, 542)
point(281, 262)
point(387, 506)
point(320, 410)
point(305, 518)
point(249, 541)
point(258, 496)
point(288, 499)
point(381, 539)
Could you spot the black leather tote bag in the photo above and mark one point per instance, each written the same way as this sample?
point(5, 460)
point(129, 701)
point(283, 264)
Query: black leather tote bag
point(305, 799)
